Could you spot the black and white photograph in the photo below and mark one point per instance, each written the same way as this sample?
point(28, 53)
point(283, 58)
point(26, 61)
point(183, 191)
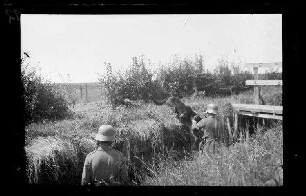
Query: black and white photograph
point(153, 99)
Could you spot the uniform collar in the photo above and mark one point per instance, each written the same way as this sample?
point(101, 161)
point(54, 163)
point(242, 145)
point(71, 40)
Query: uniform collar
point(104, 147)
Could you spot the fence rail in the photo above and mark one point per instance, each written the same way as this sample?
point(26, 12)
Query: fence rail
point(271, 109)
point(276, 64)
point(264, 82)
point(261, 111)
point(82, 92)
point(260, 115)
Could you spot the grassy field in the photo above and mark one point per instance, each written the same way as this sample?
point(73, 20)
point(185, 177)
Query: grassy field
point(151, 138)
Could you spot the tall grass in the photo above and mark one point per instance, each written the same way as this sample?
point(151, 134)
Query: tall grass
point(272, 95)
point(139, 138)
point(151, 138)
point(256, 162)
point(52, 160)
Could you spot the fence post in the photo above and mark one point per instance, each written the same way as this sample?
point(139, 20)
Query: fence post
point(235, 126)
point(86, 93)
point(81, 92)
point(230, 133)
point(256, 88)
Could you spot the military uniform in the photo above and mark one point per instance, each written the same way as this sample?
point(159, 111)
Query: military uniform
point(105, 166)
point(209, 127)
point(185, 119)
point(186, 115)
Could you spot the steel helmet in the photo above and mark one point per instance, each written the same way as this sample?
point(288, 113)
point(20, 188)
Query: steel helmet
point(105, 133)
point(212, 109)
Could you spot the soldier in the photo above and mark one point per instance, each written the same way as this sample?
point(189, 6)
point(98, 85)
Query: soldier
point(105, 166)
point(185, 115)
point(209, 128)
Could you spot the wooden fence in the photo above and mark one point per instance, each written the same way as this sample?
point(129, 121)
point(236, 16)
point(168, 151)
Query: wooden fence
point(81, 92)
point(86, 92)
point(89, 92)
point(257, 110)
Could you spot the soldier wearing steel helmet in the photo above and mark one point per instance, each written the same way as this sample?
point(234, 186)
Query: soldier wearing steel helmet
point(105, 166)
point(208, 127)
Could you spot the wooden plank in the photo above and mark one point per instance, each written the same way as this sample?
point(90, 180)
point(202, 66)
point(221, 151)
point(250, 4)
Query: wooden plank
point(259, 108)
point(256, 88)
point(247, 135)
point(264, 82)
point(276, 64)
point(259, 115)
point(230, 133)
point(235, 126)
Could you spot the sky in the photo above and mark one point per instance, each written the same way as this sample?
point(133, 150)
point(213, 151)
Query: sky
point(73, 48)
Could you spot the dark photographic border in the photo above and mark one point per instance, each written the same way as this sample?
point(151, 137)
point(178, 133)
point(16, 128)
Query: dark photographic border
point(14, 154)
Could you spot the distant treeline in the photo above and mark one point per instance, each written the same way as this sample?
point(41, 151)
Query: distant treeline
point(181, 77)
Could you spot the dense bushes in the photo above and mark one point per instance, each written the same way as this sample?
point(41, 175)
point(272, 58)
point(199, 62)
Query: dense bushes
point(135, 84)
point(42, 101)
point(182, 77)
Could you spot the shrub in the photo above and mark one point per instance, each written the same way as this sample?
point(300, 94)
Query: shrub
point(42, 101)
point(181, 78)
point(273, 95)
point(186, 76)
point(135, 84)
point(272, 75)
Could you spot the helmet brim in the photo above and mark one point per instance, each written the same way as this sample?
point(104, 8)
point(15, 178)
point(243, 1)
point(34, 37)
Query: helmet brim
point(103, 138)
point(211, 111)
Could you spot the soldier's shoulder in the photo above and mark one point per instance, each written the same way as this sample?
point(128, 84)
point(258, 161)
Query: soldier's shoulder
point(120, 154)
point(210, 120)
point(202, 122)
point(91, 153)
